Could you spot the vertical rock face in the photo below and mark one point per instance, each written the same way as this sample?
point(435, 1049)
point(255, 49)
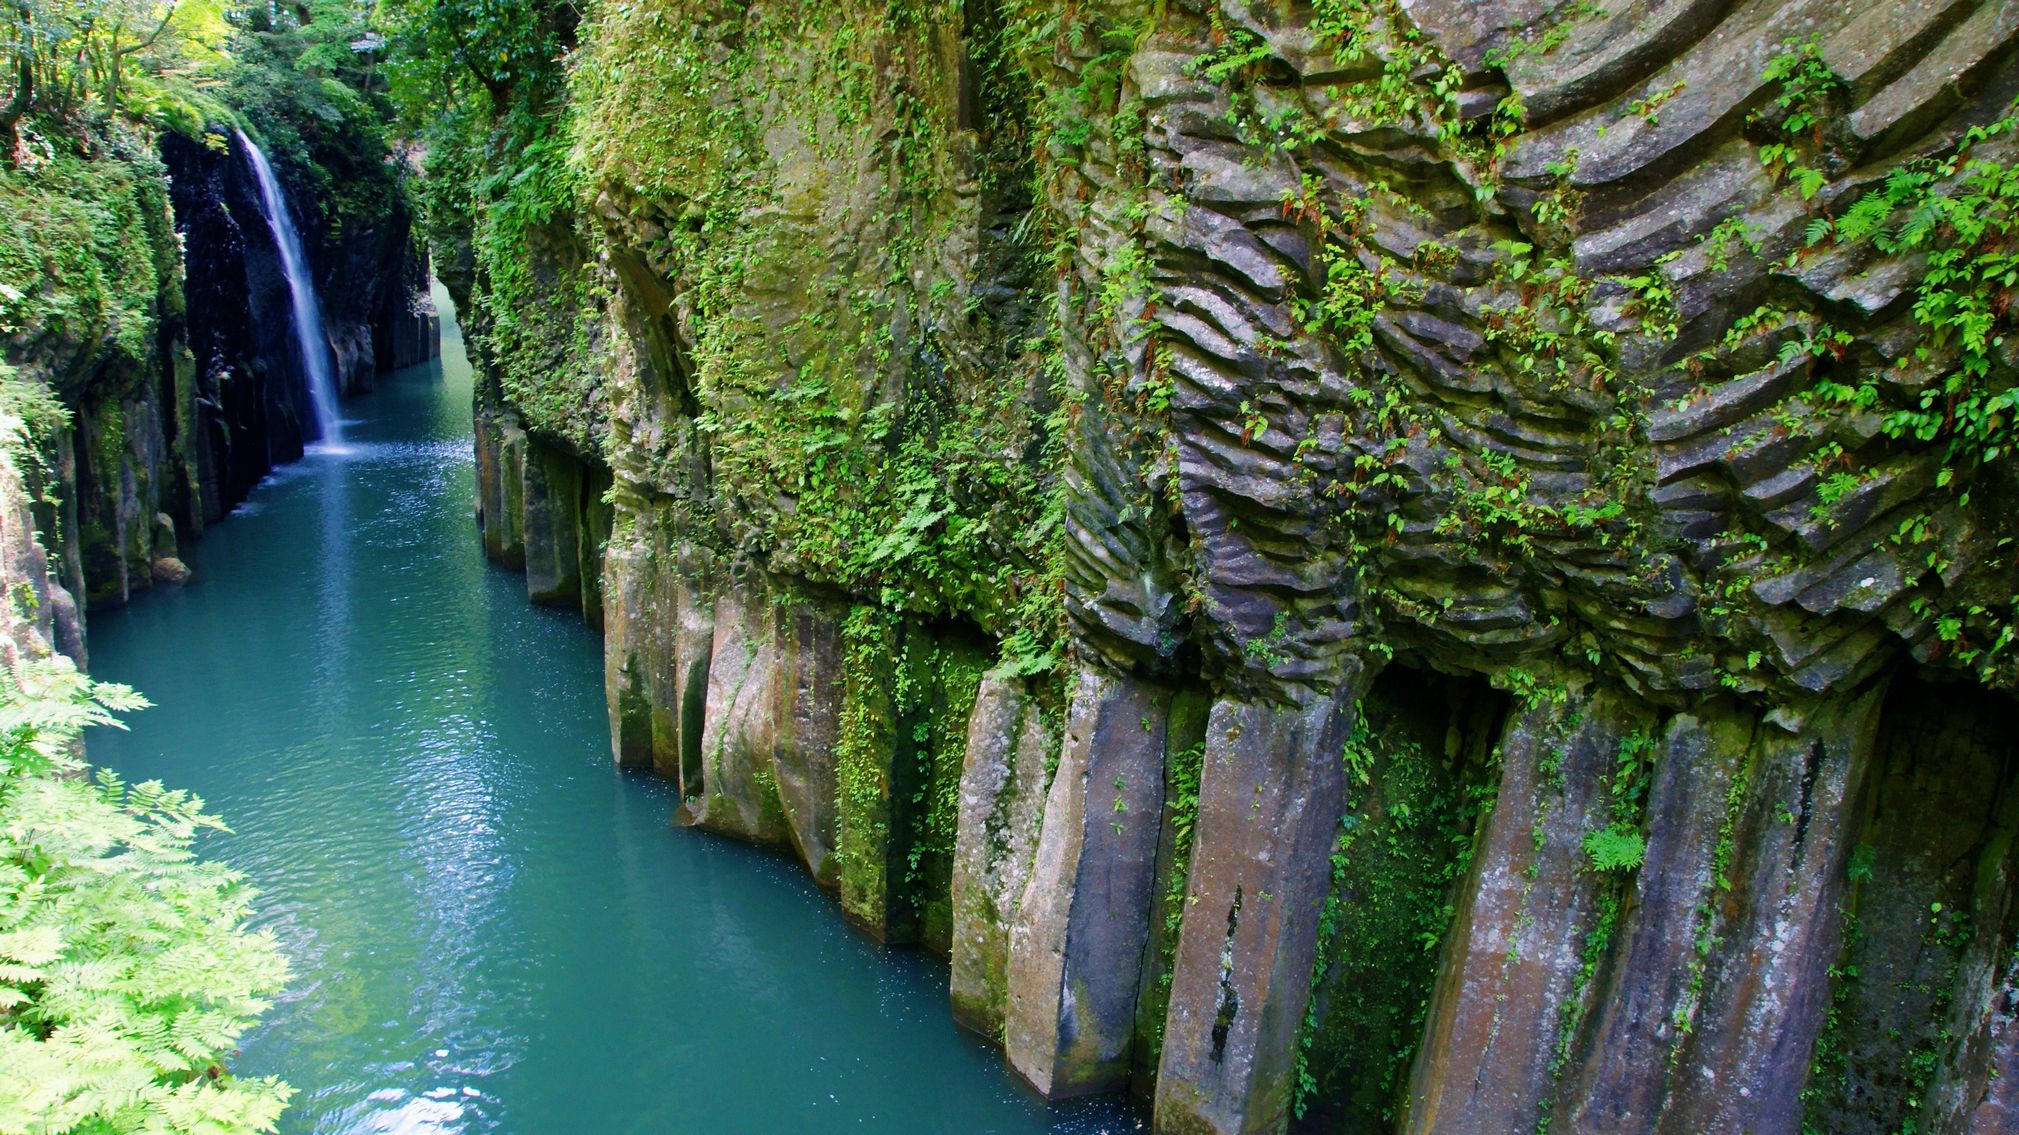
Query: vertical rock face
point(660, 631)
point(1513, 985)
point(41, 616)
point(1765, 992)
point(907, 692)
point(1656, 976)
point(1002, 794)
point(551, 508)
point(1260, 869)
point(1567, 447)
point(739, 732)
point(1419, 769)
point(1929, 923)
point(1078, 938)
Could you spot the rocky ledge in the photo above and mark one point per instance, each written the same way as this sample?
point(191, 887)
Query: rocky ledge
point(1435, 567)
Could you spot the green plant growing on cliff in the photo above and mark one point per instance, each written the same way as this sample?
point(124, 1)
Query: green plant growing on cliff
point(1959, 212)
point(1806, 92)
point(70, 60)
point(126, 974)
point(1619, 845)
point(85, 252)
point(1962, 213)
point(1615, 848)
point(1404, 840)
point(42, 418)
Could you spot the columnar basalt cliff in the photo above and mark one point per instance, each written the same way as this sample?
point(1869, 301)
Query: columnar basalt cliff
point(1433, 567)
point(148, 304)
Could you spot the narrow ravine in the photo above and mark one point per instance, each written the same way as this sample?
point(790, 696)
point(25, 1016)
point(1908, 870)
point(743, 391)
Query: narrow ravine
point(491, 928)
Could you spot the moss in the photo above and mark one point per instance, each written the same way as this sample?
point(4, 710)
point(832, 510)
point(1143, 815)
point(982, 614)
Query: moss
point(82, 258)
point(770, 805)
point(948, 677)
point(864, 765)
point(1416, 788)
point(907, 693)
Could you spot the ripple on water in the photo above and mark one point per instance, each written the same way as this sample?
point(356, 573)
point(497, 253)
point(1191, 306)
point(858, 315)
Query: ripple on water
point(492, 930)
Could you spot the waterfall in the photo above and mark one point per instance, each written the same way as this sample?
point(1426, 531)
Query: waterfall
point(308, 329)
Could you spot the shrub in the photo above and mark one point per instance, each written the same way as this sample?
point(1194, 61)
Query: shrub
point(126, 970)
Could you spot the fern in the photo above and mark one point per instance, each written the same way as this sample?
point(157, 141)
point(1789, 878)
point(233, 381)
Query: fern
point(1615, 848)
point(126, 973)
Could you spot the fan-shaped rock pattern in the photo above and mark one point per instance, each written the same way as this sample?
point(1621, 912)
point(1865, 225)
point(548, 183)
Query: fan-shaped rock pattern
point(1566, 444)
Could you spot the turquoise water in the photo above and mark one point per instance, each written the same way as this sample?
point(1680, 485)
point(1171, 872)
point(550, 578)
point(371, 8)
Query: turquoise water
point(492, 929)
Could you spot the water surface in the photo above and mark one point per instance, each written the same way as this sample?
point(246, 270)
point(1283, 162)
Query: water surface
point(492, 929)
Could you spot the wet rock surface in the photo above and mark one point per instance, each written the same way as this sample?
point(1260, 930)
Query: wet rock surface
point(1507, 375)
point(172, 423)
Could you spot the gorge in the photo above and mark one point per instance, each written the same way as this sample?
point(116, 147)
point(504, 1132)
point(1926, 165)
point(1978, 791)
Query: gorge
point(1350, 566)
point(489, 929)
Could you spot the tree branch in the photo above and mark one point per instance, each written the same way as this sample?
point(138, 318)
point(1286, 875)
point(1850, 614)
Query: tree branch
point(144, 44)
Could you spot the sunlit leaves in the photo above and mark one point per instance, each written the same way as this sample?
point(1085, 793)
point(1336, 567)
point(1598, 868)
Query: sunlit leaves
point(126, 975)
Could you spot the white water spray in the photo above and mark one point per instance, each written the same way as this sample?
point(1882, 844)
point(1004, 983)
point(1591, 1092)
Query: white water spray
point(308, 329)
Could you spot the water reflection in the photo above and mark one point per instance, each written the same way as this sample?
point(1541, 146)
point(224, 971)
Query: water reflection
point(493, 930)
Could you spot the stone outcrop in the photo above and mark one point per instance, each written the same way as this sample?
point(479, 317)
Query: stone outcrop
point(189, 392)
point(1433, 567)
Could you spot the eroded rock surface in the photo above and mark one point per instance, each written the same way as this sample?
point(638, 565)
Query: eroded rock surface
point(1610, 403)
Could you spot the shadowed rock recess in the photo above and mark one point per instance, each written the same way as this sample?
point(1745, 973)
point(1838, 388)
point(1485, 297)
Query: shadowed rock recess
point(147, 301)
point(1356, 566)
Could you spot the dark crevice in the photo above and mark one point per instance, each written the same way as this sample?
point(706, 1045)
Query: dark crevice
point(1230, 1000)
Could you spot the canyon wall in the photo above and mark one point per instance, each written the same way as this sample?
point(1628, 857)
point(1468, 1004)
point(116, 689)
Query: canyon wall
point(145, 298)
point(1355, 566)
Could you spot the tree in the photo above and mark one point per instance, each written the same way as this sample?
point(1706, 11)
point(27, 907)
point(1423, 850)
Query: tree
point(70, 56)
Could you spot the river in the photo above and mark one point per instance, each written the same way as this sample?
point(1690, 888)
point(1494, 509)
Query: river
point(492, 929)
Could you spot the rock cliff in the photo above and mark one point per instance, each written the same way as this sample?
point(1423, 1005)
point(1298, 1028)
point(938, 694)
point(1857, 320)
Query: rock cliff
point(143, 293)
point(1426, 566)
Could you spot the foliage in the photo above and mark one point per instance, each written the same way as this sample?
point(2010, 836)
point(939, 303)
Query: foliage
point(126, 973)
point(87, 253)
point(1615, 847)
point(68, 60)
point(865, 445)
point(1961, 212)
point(1619, 845)
point(907, 696)
point(92, 256)
point(482, 85)
point(1415, 795)
point(314, 92)
point(33, 416)
point(1806, 94)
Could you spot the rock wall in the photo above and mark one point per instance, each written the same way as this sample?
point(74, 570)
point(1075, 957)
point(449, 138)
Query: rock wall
point(148, 301)
point(1436, 567)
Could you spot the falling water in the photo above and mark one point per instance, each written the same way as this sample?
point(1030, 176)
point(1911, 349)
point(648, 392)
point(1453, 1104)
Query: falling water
point(308, 330)
point(492, 927)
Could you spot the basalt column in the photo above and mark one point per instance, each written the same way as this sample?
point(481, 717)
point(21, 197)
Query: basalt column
point(1076, 946)
point(1511, 969)
point(1269, 805)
